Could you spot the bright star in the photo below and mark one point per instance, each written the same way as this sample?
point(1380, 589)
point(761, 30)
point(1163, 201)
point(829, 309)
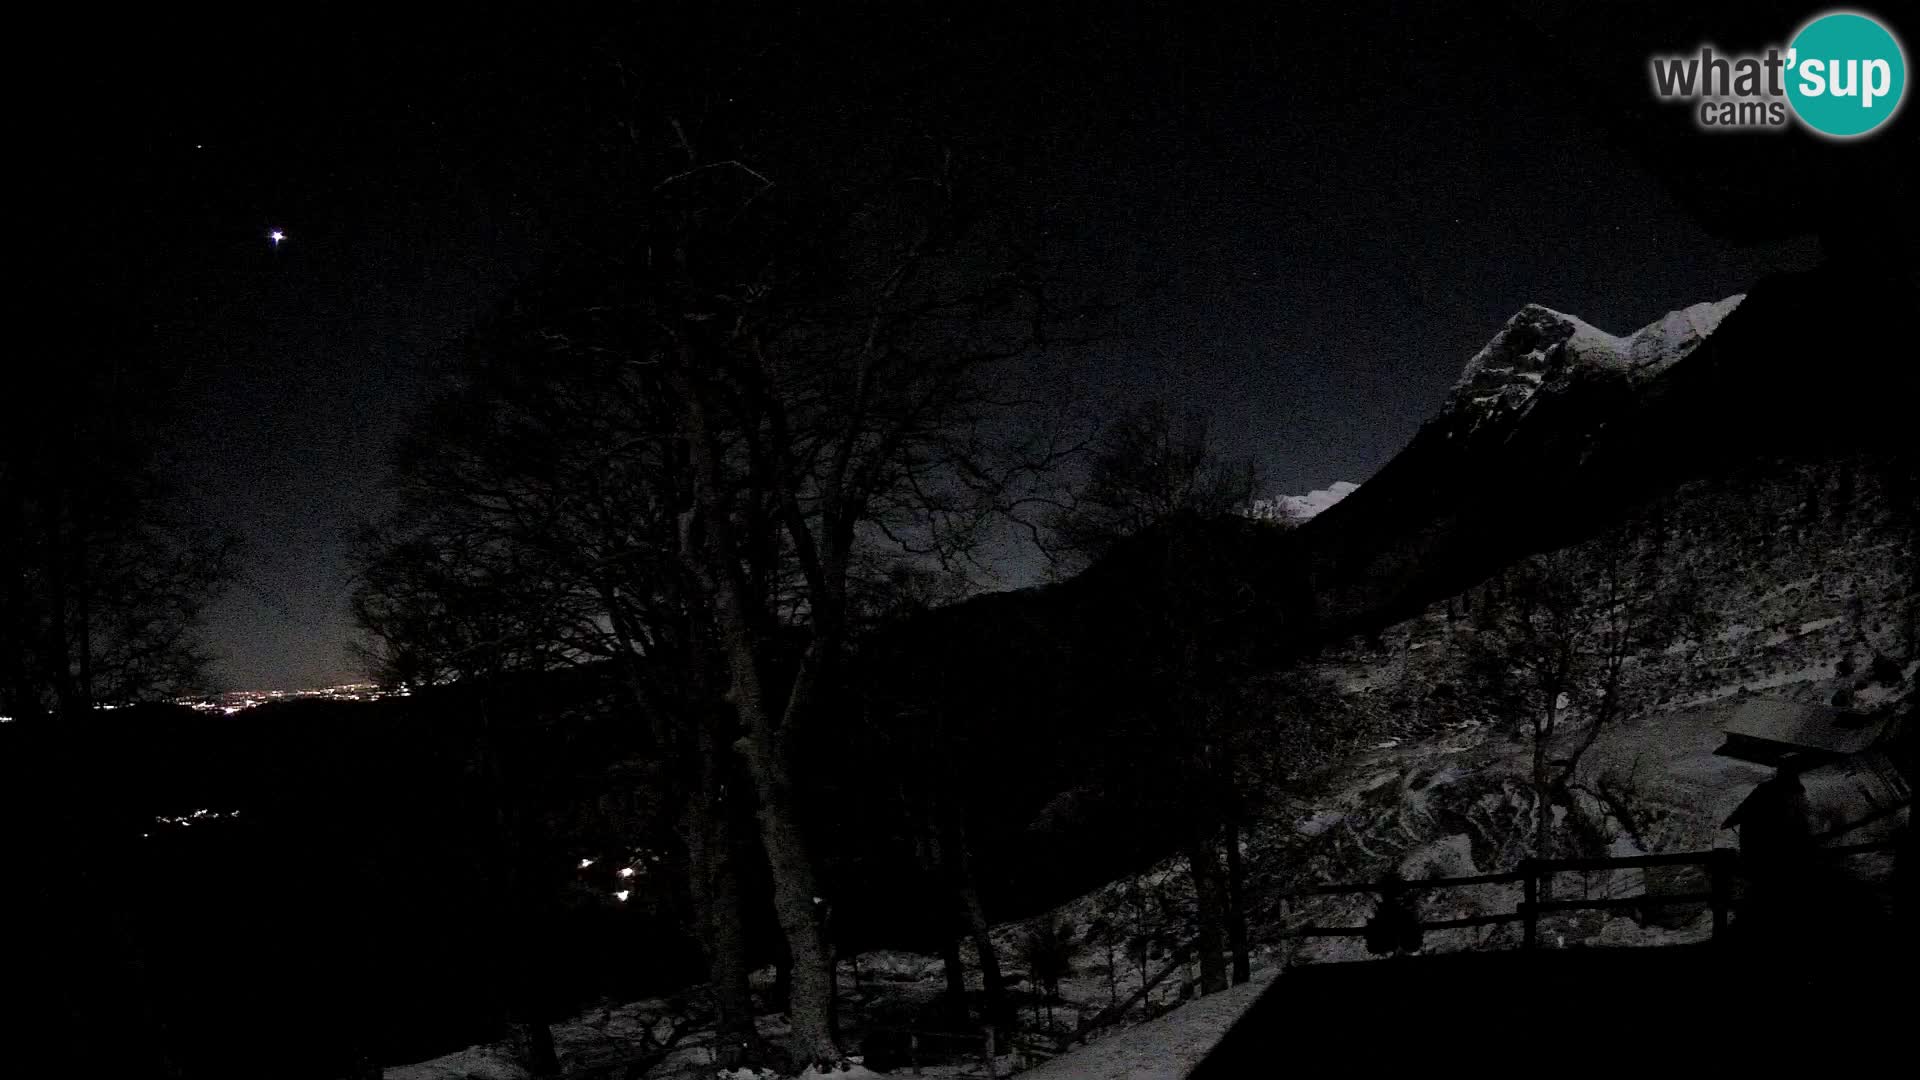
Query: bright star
point(276, 236)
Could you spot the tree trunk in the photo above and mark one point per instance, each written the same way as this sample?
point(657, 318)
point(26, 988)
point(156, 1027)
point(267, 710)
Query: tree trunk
point(796, 903)
point(1210, 900)
point(796, 896)
point(58, 645)
point(519, 991)
point(956, 971)
point(83, 620)
point(796, 899)
point(954, 847)
point(532, 1042)
point(1542, 791)
point(15, 633)
point(936, 879)
point(713, 865)
point(1237, 909)
point(980, 930)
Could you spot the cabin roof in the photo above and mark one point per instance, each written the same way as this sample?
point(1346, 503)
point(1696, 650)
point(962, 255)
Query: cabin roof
point(1791, 726)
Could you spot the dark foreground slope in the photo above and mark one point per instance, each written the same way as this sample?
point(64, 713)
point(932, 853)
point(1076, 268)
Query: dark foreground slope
point(1584, 1011)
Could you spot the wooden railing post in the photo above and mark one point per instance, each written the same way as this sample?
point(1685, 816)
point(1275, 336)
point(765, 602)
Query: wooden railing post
point(992, 1070)
point(1530, 921)
point(913, 1051)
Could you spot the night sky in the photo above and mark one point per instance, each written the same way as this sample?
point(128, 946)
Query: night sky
point(1312, 227)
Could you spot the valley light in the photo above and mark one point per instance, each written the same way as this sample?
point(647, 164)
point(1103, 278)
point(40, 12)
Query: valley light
point(584, 863)
point(626, 871)
point(622, 895)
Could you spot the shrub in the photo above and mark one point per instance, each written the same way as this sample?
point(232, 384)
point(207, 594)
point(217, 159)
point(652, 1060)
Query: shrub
point(1048, 951)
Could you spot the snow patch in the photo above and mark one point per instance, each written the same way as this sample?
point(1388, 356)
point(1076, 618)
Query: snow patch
point(473, 1063)
point(1319, 822)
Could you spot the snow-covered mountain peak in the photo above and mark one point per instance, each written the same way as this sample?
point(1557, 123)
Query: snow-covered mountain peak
point(1540, 346)
point(1294, 509)
point(1658, 344)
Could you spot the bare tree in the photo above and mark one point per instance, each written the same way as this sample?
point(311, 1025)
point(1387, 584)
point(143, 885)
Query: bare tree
point(1555, 637)
point(807, 441)
point(536, 529)
point(746, 412)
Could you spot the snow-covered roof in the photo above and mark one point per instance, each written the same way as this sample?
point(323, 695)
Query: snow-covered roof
point(1801, 727)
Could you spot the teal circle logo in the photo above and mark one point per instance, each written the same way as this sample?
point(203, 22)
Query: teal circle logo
point(1846, 74)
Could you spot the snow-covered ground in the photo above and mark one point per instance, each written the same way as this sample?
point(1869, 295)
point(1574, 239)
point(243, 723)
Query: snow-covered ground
point(1163, 1048)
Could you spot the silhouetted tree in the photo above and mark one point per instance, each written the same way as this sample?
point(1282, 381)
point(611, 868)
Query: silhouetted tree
point(1147, 466)
point(106, 567)
point(1157, 485)
point(536, 528)
point(105, 570)
point(704, 437)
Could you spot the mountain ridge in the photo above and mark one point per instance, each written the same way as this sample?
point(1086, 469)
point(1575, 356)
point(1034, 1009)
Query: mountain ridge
point(1475, 489)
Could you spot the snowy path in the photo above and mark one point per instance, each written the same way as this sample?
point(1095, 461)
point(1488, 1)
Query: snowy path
point(1160, 1049)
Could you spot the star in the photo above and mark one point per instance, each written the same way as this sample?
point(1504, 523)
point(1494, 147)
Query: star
point(276, 236)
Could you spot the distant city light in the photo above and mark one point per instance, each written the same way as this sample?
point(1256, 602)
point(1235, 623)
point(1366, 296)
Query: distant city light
point(238, 700)
point(626, 871)
point(622, 895)
point(276, 236)
point(584, 863)
point(194, 817)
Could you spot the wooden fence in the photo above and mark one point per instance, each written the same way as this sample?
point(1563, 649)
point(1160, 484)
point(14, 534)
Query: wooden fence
point(1722, 866)
point(1722, 869)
